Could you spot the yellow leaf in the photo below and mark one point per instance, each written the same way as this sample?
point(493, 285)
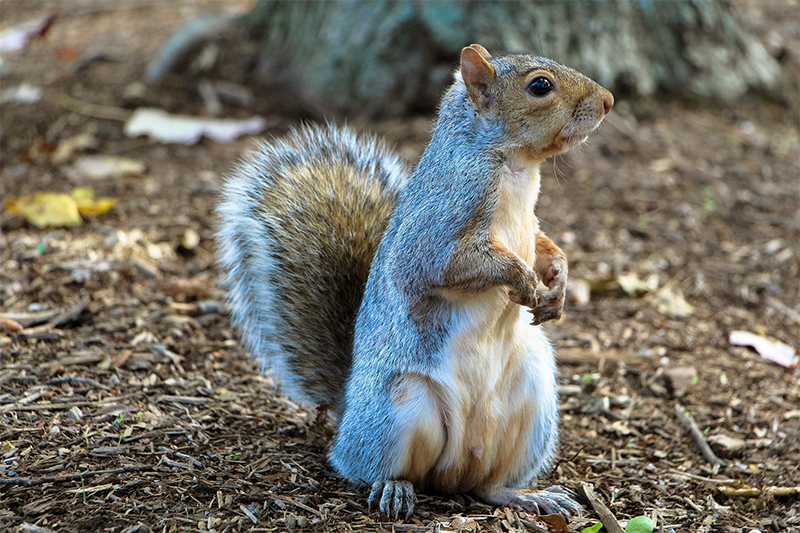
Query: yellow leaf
point(82, 194)
point(88, 205)
point(46, 209)
point(672, 303)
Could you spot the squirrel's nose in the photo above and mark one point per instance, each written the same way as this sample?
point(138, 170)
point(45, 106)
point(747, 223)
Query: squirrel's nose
point(608, 101)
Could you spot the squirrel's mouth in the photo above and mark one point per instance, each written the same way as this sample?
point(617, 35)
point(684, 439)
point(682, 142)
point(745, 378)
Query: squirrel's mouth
point(577, 130)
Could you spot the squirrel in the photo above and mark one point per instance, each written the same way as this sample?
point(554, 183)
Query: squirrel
point(397, 299)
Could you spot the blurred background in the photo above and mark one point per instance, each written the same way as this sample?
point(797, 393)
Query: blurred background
point(680, 218)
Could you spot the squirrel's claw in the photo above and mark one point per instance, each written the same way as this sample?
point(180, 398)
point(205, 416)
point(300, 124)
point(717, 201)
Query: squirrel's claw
point(550, 308)
point(551, 304)
point(392, 498)
point(554, 500)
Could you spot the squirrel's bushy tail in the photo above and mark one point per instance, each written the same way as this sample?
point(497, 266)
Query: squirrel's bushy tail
point(299, 225)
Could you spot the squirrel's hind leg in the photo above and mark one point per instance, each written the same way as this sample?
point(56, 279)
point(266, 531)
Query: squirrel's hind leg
point(393, 498)
point(549, 501)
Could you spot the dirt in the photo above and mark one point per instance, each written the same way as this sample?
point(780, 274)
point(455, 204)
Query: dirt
point(128, 404)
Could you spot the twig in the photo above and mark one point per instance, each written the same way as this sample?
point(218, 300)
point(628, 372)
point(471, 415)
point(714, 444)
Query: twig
point(81, 381)
point(695, 477)
point(753, 492)
point(783, 308)
point(189, 458)
point(93, 110)
point(300, 505)
point(31, 319)
point(249, 514)
point(31, 481)
point(531, 526)
point(33, 528)
point(189, 400)
point(67, 405)
point(610, 523)
point(71, 314)
point(687, 422)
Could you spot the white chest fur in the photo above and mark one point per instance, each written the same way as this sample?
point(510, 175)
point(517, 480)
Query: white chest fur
point(514, 222)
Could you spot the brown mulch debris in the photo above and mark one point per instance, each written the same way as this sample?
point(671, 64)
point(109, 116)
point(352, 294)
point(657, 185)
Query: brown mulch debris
point(127, 403)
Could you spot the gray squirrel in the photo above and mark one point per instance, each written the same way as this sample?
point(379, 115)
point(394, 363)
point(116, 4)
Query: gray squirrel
point(398, 300)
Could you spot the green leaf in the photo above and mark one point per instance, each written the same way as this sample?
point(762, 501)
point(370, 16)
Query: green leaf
point(592, 529)
point(640, 524)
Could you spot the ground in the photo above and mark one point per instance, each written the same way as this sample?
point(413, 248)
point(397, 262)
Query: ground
point(128, 404)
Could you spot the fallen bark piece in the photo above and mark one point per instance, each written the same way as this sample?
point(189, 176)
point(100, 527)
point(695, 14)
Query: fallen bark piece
point(606, 517)
point(686, 420)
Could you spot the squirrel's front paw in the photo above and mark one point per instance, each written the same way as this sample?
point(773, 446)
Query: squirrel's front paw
point(551, 304)
point(393, 498)
point(525, 292)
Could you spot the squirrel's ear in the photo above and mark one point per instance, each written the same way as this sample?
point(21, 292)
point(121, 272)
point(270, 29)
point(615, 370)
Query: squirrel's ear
point(478, 74)
point(481, 50)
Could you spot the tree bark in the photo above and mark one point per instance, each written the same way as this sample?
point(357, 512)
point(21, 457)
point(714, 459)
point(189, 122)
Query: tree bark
point(391, 58)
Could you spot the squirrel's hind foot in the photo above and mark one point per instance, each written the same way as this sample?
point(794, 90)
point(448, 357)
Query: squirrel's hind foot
point(393, 498)
point(553, 500)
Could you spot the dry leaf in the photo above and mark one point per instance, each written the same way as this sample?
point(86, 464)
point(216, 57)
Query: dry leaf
point(771, 349)
point(88, 205)
point(106, 166)
point(634, 287)
point(580, 291)
point(672, 303)
point(46, 209)
point(67, 148)
point(186, 129)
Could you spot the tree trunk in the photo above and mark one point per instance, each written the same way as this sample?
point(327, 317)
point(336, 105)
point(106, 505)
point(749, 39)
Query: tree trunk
point(390, 58)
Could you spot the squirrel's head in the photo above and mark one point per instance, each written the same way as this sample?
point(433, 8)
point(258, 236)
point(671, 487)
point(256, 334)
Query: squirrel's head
point(547, 108)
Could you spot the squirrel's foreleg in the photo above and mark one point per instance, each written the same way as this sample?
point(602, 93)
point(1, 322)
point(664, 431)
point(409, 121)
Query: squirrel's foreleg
point(476, 266)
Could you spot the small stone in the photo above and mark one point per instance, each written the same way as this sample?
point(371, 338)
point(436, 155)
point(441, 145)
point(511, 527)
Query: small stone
point(190, 239)
point(680, 378)
point(725, 446)
point(80, 275)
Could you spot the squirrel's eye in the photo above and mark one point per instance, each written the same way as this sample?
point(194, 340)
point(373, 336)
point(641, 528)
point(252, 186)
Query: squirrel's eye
point(540, 86)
